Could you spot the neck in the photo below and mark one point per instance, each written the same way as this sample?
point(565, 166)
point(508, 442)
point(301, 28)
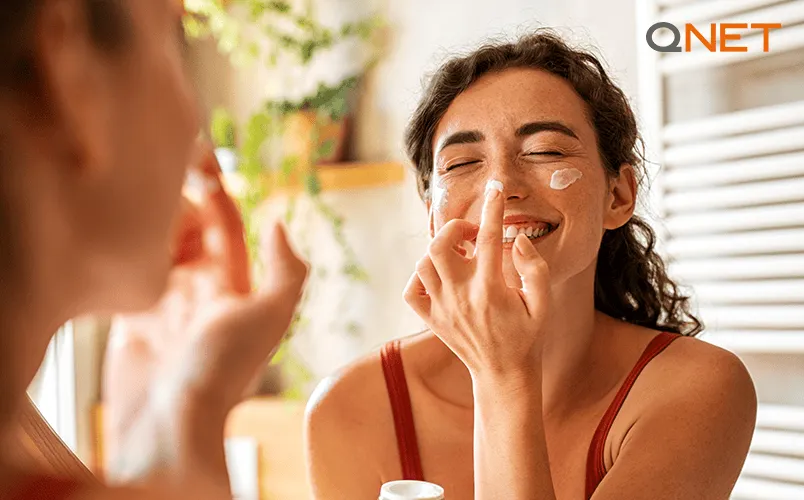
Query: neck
point(570, 360)
point(27, 327)
point(568, 356)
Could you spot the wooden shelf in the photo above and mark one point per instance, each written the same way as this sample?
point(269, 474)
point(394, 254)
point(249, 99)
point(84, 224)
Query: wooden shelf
point(338, 177)
point(342, 176)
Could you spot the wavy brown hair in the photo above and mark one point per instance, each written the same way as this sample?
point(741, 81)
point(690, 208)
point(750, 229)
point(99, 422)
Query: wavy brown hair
point(631, 280)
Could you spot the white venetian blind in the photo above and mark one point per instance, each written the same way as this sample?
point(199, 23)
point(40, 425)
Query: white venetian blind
point(728, 132)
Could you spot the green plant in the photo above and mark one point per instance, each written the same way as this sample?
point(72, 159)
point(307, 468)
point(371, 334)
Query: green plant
point(284, 31)
point(273, 33)
point(222, 129)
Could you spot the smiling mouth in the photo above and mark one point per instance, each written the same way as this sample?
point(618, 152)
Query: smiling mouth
point(533, 232)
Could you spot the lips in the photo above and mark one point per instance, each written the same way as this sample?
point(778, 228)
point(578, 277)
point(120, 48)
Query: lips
point(532, 231)
point(530, 226)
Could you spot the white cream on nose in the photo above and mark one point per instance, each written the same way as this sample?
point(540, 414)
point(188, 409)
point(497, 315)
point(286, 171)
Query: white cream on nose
point(494, 184)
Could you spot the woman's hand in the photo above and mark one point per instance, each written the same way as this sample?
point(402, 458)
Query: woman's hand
point(173, 373)
point(493, 329)
point(497, 332)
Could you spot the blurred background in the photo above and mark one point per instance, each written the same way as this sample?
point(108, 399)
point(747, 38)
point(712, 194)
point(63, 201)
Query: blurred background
point(307, 101)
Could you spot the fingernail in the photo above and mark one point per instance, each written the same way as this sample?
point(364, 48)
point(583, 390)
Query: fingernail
point(201, 182)
point(493, 189)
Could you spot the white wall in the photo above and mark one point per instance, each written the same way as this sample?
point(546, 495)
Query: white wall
point(426, 32)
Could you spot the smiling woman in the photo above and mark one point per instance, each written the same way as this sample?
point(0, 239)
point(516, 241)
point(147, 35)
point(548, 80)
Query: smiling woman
point(559, 360)
point(627, 261)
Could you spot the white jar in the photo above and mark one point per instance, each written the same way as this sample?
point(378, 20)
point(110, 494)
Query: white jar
point(411, 490)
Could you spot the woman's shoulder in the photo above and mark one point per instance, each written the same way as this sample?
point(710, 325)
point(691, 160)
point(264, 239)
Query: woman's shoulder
point(353, 394)
point(692, 375)
point(693, 362)
point(684, 363)
point(358, 392)
point(691, 392)
point(349, 415)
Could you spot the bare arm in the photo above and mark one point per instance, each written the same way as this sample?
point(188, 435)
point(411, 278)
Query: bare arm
point(694, 445)
point(339, 454)
point(691, 443)
point(510, 446)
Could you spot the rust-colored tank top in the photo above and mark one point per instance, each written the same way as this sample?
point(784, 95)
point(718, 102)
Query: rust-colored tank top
point(405, 428)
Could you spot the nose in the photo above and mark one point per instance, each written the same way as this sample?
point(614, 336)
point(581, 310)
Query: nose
point(514, 184)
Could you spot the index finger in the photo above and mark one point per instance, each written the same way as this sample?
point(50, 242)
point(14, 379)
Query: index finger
point(489, 237)
point(223, 224)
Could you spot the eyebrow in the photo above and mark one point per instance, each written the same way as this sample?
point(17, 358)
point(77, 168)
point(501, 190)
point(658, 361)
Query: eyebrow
point(462, 137)
point(536, 127)
point(473, 136)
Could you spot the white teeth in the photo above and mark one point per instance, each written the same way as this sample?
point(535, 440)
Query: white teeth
point(510, 233)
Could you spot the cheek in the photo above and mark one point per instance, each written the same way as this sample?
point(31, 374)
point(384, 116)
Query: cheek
point(440, 195)
point(172, 123)
point(582, 206)
point(454, 201)
point(564, 178)
point(157, 128)
point(581, 197)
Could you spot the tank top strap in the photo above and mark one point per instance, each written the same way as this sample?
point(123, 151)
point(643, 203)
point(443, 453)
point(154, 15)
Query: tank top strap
point(402, 410)
point(46, 488)
point(595, 464)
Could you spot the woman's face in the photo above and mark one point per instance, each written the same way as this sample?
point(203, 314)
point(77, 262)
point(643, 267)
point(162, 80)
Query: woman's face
point(135, 121)
point(529, 130)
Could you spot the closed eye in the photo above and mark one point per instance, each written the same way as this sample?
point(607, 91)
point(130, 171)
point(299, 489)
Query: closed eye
point(544, 153)
point(462, 164)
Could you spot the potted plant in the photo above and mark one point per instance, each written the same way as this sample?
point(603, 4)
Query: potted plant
point(222, 130)
point(305, 123)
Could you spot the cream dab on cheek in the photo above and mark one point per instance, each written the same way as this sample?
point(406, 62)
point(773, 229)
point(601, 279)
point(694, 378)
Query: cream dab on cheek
point(564, 178)
point(439, 196)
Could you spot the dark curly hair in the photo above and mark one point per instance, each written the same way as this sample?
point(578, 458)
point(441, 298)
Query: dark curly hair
point(631, 281)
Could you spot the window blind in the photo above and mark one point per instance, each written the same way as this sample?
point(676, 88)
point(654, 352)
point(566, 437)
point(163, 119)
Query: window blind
point(728, 193)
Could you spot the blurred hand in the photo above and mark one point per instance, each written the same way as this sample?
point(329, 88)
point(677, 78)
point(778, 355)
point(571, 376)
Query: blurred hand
point(190, 359)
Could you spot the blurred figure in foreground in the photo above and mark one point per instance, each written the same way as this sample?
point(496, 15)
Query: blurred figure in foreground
point(97, 128)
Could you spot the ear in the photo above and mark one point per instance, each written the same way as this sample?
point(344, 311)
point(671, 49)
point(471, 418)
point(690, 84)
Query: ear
point(74, 81)
point(621, 199)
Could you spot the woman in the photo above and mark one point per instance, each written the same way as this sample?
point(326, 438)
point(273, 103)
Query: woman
point(97, 125)
point(559, 360)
